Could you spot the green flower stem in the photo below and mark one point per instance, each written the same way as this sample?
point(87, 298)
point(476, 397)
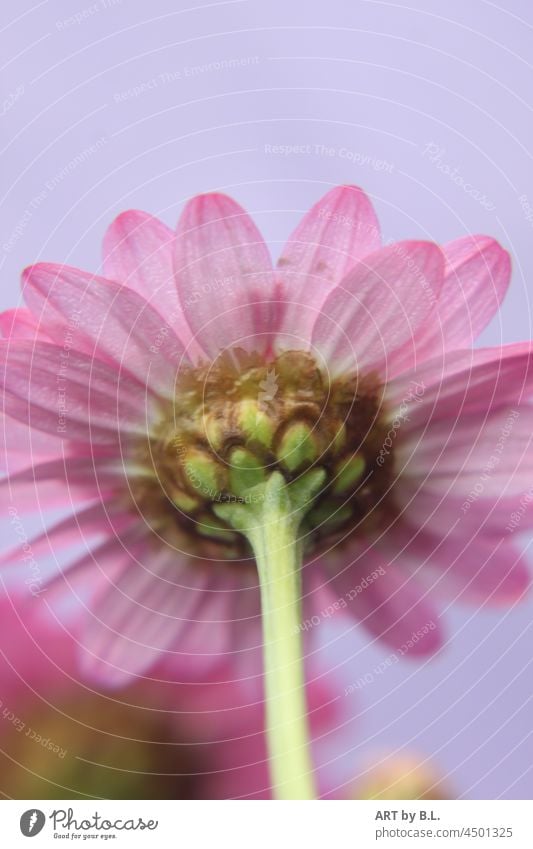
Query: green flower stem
point(271, 522)
point(278, 558)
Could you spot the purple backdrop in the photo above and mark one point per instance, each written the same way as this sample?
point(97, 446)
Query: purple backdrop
point(118, 104)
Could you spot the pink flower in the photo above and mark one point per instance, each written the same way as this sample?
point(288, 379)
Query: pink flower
point(236, 766)
point(147, 399)
point(61, 739)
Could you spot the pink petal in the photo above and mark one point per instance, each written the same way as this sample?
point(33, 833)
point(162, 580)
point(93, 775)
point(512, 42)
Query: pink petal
point(318, 596)
point(370, 321)
point(88, 472)
point(444, 512)
point(337, 232)
point(20, 324)
point(20, 444)
point(475, 282)
point(473, 568)
point(59, 481)
point(70, 592)
point(38, 497)
point(224, 628)
point(92, 519)
point(224, 275)
point(32, 564)
point(245, 647)
point(390, 603)
point(140, 618)
point(462, 382)
point(469, 433)
point(489, 456)
point(138, 251)
point(205, 643)
point(100, 317)
point(70, 395)
point(36, 653)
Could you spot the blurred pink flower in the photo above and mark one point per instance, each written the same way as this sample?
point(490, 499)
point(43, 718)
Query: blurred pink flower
point(60, 738)
point(236, 764)
point(132, 398)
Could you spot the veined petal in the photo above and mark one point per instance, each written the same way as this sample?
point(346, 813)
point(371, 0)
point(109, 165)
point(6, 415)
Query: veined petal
point(245, 628)
point(488, 455)
point(70, 395)
point(18, 569)
point(337, 232)
point(138, 251)
point(90, 520)
point(224, 628)
point(224, 275)
point(371, 319)
point(61, 480)
point(462, 382)
point(102, 318)
point(19, 323)
point(474, 514)
point(20, 444)
point(71, 590)
point(205, 642)
point(470, 431)
point(142, 616)
point(468, 567)
point(476, 278)
point(393, 605)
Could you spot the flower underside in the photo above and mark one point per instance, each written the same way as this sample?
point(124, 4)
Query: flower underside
point(239, 419)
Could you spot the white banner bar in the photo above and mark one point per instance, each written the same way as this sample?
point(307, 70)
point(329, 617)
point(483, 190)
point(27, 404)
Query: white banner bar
point(268, 825)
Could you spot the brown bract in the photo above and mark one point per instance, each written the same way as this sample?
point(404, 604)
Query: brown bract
point(235, 421)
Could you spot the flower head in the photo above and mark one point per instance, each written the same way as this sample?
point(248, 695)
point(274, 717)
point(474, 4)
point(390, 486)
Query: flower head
point(176, 386)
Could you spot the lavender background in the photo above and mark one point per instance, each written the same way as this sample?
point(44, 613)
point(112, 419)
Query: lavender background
point(117, 104)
